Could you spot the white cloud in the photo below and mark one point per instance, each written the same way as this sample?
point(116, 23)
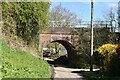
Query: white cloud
point(113, 5)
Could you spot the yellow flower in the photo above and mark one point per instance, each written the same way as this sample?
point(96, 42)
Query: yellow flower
point(107, 48)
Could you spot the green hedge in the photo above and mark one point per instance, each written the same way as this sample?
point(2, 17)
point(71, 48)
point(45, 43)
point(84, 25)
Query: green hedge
point(25, 19)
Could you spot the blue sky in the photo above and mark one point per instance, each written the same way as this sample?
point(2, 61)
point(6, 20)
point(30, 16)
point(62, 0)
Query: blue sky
point(82, 9)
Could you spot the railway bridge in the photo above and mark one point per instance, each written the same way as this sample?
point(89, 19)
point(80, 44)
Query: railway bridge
point(68, 37)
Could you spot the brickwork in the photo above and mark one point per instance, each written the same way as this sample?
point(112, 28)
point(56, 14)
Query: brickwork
point(66, 34)
point(54, 34)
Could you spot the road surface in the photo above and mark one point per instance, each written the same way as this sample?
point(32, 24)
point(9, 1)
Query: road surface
point(64, 72)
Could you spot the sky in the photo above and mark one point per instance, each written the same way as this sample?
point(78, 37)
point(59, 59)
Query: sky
point(83, 9)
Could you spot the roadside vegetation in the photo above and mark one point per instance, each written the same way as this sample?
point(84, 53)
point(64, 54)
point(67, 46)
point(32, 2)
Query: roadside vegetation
point(20, 64)
point(24, 20)
point(22, 23)
point(101, 37)
point(107, 58)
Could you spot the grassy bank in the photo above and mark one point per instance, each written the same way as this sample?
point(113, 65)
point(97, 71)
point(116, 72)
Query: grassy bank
point(20, 64)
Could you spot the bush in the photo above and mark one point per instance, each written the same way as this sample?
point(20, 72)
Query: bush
point(97, 58)
point(79, 61)
point(118, 49)
point(106, 54)
point(115, 63)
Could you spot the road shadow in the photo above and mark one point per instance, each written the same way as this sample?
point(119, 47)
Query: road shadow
point(55, 63)
point(58, 64)
point(81, 73)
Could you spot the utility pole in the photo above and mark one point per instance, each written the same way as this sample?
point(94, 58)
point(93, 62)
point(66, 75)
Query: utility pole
point(91, 51)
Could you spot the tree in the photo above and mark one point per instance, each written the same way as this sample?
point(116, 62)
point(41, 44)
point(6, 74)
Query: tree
point(62, 17)
point(84, 41)
point(111, 16)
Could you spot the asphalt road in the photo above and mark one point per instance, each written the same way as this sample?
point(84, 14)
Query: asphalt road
point(64, 72)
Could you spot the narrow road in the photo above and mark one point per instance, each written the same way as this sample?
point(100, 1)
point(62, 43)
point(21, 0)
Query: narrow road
point(64, 72)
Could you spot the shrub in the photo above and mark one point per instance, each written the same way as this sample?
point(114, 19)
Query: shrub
point(106, 52)
point(97, 58)
point(107, 48)
point(118, 49)
point(114, 68)
point(79, 61)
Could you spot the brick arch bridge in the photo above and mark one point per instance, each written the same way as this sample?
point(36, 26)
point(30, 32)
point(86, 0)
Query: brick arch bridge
point(65, 36)
point(68, 37)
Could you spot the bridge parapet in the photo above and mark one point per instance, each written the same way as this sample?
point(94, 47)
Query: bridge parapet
point(53, 34)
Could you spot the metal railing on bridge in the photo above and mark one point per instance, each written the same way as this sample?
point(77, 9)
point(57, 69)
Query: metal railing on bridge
point(112, 26)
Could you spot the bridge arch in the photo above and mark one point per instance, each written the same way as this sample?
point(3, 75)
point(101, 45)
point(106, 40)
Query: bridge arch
point(69, 47)
point(65, 36)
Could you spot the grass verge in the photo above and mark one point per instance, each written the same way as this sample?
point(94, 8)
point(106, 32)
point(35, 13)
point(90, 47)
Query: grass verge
point(20, 64)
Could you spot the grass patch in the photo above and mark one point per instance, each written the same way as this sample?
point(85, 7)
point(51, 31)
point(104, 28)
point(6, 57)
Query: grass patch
point(20, 64)
point(96, 75)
